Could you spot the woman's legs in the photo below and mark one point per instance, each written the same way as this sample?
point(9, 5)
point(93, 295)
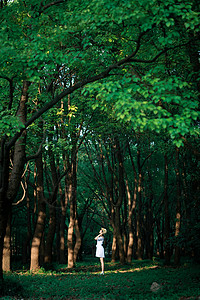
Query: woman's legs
point(102, 265)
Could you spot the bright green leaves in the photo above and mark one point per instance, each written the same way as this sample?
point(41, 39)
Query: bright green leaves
point(9, 124)
point(151, 103)
point(74, 40)
point(179, 14)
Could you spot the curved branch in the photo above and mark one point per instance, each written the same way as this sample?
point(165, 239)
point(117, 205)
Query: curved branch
point(158, 55)
point(24, 194)
point(80, 84)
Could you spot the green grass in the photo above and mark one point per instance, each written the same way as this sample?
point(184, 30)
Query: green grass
point(130, 281)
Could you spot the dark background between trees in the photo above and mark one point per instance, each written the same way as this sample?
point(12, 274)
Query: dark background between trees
point(99, 127)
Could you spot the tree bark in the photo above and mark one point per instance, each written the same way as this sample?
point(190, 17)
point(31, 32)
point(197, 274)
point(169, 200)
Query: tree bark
point(119, 236)
point(119, 200)
point(149, 219)
point(167, 217)
point(50, 235)
point(9, 183)
point(39, 230)
point(114, 247)
point(62, 257)
point(73, 224)
point(78, 240)
point(131, 208)
point(178, 210)
point(52, 211)
point(26, 244)
point(4, 201)
point(139, 252)
point(7, 247)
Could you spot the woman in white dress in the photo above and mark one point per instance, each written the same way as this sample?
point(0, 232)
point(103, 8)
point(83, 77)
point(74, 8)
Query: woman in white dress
point(100, 248)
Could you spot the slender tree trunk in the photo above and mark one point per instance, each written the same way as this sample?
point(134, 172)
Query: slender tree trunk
point(130, 240)
point(119, 200)
point(167, 218)
point(124, 238)
point(4, 201)
point(119, 236)
point(149, 220)
point(26, 244)
point(139, 252)
point(73, 224)
point(62, 233)
point(125, 219)
point(7, 247)
point(158, 242)
point(70, 236)
point(52, 212)
point(58, 213)
point(178, 210)
point(114, 247)
point(39, 230)
point(50, 235)
point(131, 208)
point(72, 204)
point(78, 240)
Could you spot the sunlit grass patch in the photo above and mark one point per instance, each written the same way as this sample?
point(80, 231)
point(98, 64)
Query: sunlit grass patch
point(129, 281)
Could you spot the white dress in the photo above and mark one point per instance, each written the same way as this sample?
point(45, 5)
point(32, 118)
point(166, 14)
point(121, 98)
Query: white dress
point(99, 247)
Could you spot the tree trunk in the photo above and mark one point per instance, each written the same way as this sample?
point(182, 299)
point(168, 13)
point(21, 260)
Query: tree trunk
point(139, 252)
point(9, 183)
point(131, 208)
point(167, 218)
point(119, 236)
point(119, 200)
point(50, 235)
point(178, 210)
point(26, 244)
point(159, 244)
point(130, 241)
point(39, 230)
point(62, 258)
point(78, 240)
point(70, 240)
point(4, 201)
point(114, 247)
point(149, 220)
point(73, 224)
point(57, 249)
point(52, 211)
point(7, 247)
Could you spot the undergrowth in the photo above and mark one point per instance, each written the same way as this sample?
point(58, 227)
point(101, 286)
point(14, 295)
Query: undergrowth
point(130, 281)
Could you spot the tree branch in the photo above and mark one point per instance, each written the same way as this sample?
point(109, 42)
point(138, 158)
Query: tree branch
point(80, 84)
point(49, 5)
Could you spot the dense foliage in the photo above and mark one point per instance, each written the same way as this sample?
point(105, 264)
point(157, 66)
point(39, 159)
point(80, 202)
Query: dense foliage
point(99, 126)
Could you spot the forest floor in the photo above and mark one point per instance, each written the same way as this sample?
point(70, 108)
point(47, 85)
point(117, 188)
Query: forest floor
point(139, 280)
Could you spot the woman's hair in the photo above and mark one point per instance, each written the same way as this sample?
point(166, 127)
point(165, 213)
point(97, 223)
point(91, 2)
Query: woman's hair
point(103, 230)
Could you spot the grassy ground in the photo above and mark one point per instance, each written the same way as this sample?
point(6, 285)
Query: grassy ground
point(132, 281)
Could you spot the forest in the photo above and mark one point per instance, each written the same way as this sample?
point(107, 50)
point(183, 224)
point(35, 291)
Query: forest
point(99, 127)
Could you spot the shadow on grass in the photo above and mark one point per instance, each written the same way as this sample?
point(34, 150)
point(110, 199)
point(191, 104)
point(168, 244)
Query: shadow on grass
point(129, 281)
point(93, 266)
point(12, 288)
